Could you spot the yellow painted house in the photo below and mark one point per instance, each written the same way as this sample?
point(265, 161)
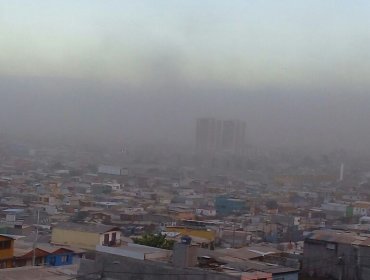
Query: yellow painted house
point(6, 251)
point(85, 236)
point(208, 234)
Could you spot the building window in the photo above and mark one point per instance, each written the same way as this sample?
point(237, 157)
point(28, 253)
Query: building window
point(64, 259)
point(3, 264)
point(330, 246)
point(5, 244)
point(38, 261)
point(52, 260)
point(106, 239)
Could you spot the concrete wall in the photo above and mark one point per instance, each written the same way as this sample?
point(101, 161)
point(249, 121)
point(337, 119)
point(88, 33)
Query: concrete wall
point(184, 255)
point(363, 262)
point(84, 240)
point(338, 262)
point(123, 268)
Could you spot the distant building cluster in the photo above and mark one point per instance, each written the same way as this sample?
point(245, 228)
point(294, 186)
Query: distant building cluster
point(67, 214)
point(220, 137)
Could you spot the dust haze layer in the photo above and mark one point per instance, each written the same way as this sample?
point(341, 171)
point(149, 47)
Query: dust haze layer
point(86, 111)
point(114, 72)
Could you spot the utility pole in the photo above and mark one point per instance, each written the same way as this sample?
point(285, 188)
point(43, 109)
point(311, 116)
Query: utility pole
point(233, 235)
point(342, 271)
point(36, 237)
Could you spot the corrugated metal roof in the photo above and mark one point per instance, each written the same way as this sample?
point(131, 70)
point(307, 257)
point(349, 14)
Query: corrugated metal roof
point(340, 237)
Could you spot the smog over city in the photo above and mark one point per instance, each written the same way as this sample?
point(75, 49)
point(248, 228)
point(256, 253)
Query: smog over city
point(208, 130)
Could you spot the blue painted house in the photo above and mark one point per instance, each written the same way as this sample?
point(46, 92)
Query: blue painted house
point(226, 205)
point(45, 255)
point(61, 256)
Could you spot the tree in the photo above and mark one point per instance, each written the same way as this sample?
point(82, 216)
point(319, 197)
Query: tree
point(155, 240)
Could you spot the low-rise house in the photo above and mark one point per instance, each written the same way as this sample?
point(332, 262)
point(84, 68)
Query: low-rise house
point(13, 214)
point(133, 214)
point(361, 208)
point(47, 199)
point(24, 257)
point(181, 212)
point(6, 251)
point(365, 220)
point(108, 187)
point(45, 254)
point(227, 205)
point(336, 210)
point(85, 236)
point(99, 216)
point(59, 256)
point(207, 212)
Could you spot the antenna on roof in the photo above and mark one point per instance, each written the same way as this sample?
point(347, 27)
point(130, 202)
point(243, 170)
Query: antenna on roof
point(36, 237)
point(341, 174)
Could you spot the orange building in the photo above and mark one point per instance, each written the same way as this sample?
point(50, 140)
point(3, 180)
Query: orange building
point(6, 251)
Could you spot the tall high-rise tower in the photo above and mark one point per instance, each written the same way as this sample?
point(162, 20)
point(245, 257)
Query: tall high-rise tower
point(233, 137)
point(206, 135)
point(216, 137)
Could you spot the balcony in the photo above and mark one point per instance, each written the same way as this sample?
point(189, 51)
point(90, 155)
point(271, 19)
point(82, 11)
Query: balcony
point(115, 243)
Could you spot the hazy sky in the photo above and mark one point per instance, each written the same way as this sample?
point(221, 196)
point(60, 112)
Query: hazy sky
point(243, 43)
point(110, 70)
